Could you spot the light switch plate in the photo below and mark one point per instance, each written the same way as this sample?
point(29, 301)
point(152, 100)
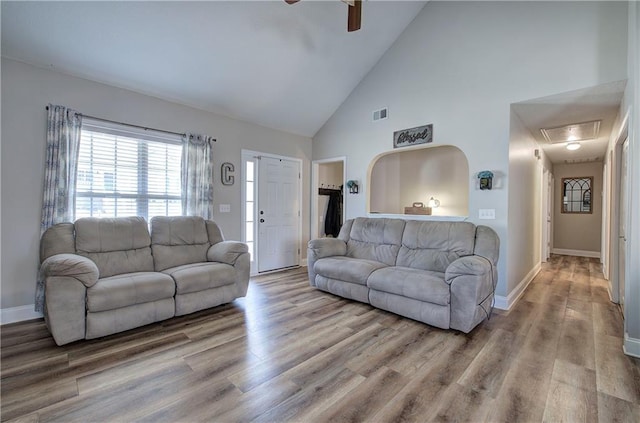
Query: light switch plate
point(225, 208)
point(486, 213)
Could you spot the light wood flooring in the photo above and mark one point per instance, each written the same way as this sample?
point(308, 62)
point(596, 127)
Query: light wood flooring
point(292, 353)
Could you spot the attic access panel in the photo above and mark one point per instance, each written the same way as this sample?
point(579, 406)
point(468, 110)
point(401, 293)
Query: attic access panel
point(574, 132)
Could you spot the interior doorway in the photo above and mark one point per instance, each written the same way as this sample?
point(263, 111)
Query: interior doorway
point(623, 207)
point(619, 216)
point(327, 196)
point(547, 214)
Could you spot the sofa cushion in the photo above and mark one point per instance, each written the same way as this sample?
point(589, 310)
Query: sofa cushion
point(346, 269)
point(375, 239)
point(418, 284)
point(116, 245)
point(129, 289)
point(178, 240)
point(435, 245)
point(353, 291)
point(200, 276)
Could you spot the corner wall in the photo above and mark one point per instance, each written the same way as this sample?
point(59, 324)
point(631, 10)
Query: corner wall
point(525, 208)
point(26, 90)
point(459, 66)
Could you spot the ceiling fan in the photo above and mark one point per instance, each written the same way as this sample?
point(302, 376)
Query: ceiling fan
point(353, 18)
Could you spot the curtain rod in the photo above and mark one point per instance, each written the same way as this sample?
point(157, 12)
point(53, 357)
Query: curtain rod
point(135, 126)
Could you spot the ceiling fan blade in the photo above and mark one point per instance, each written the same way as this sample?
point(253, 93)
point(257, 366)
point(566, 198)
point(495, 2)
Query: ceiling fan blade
point(291, 1)
point(355, 13)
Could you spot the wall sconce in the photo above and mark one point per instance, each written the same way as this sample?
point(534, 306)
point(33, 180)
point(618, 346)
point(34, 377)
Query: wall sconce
point(353, 186)
point(486, 179)
point(433, 203)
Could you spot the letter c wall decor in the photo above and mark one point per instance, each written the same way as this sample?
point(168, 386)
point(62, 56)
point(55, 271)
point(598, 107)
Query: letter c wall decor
point(226, 171)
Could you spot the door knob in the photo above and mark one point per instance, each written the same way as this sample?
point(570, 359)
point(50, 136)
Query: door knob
point(261, 220)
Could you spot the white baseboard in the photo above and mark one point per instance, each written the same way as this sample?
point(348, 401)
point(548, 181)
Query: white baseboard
point(505, 303)
point(577, 253)
point(631, 346)
point(18, 314)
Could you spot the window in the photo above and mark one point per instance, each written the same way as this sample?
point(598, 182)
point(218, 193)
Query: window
point(127, 172)
point(249, 206)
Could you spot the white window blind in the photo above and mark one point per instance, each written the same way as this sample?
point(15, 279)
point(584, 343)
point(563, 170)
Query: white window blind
point(123, 171)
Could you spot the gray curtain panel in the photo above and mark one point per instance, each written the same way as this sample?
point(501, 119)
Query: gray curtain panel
point(197, 176)
point(58, 203)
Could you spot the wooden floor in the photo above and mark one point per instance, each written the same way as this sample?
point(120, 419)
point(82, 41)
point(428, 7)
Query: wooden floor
point(291, 353)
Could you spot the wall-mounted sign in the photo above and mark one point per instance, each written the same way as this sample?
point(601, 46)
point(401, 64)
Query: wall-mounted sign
point(413, 136)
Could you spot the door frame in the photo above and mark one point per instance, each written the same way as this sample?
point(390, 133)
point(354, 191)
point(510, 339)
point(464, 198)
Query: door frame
point(606, 210)
point(256, 155)
point(315, 185)
point(614, 213)
point(546, 215)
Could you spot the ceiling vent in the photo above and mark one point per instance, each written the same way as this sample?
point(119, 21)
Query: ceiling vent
point(380, 114)
point(572, 132)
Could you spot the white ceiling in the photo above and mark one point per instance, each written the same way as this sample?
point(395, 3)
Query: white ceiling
point(597, 103)
point(287, 67)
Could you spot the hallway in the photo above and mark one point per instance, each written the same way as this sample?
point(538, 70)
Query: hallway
point(570, 336)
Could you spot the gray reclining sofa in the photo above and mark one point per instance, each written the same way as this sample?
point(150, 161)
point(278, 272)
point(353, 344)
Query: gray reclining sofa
point(104, 276)
point(437, 272)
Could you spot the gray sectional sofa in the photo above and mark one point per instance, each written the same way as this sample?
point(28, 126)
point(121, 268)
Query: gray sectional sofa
point(437, 272)
point(104, 276)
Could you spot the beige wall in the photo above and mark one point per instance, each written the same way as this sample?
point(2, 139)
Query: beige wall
point(26, 90)
point(384, 194)
point(578, 231)
point(329, 176)
point(403, 177)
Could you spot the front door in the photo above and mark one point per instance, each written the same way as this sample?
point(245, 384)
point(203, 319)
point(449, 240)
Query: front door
point(278, 213)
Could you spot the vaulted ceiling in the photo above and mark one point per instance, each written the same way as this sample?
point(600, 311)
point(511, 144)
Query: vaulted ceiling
point(287, 67)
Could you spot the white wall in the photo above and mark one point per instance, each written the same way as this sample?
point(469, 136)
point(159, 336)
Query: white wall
point(577, 231)
point(26, 90)
point(632, 97)
point(525, 205)
point(459, 66)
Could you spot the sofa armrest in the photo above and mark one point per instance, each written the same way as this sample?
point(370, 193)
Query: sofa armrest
point(237, 255)
point(326, 247)
point(323, 247)
point(65, 308)
point(72, 266)
point(227, 251)
point(472, 281)
point(66, 279)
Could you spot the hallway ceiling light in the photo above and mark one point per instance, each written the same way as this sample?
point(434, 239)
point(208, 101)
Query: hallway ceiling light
point(572, 132)
point(573, 146)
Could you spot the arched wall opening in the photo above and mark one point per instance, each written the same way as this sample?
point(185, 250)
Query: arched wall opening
point(398, 179)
